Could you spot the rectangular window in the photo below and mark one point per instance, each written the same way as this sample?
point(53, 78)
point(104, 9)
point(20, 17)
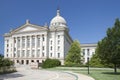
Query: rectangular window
point(33, 53)
point(51, 48)
point(14, 55)
point(38, 52)
point(23, 53)
point(58, 42)
point(33, 41)
point(18, 43)
point(7, 50)
point(28, 53)
point(58, 48)
point(51, 42)
point(18, 53)
point(28, 42)
point(83, 52)
point(23, 42)
point(7, 45)
point(50, 54)
point(43, 54)
point(43, 37)
point(58, 55)
point(38, 42)
point(7, 55)
point(14, 49)
point(43, 48)
point(14, 40)
point(88, 52)
point(58, 36)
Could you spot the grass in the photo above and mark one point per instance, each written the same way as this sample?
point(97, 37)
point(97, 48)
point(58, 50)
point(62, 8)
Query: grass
point(96, 73)
point(102, 74)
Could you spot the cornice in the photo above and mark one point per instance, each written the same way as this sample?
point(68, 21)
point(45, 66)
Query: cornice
point(89, 45)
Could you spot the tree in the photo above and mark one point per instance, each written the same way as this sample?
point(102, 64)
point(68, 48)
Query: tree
point(1, 56)
point(74, 54)
point(1, 60)
point(108, 48)
point(95, 61)
point(5, 62)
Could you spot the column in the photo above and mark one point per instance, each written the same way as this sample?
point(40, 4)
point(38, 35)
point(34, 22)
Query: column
point(30, 46)
point(41, 45)
point(46, 46)
point(35, 46)
point(16, 46)
point(25, 46)
point(62, 41)
point(21, 47)
point(13, 47)
point(85, 55)
point(54, 43)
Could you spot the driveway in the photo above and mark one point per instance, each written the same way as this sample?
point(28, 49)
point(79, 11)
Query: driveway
point(30, 74)
point(25, 73)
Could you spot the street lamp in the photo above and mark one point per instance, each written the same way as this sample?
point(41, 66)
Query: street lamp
point(88, 64)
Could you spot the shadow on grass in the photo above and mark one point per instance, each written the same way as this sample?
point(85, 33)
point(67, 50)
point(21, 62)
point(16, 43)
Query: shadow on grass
point(111, 73)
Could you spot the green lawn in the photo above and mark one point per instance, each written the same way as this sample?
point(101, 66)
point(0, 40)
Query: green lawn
point(96, 73)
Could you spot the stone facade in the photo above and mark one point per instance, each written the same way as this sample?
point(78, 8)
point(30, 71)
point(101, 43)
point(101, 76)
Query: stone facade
point(87, 51)
point(33, 43)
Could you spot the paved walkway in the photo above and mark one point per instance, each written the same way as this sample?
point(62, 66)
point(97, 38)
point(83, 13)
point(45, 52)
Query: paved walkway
point(29, 74)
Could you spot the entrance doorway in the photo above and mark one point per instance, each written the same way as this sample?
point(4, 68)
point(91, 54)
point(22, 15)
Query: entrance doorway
point(27, 61)
point(22, 62)
point(37, 61)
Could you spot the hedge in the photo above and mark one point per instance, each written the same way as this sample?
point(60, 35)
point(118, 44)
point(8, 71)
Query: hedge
point(49, 63)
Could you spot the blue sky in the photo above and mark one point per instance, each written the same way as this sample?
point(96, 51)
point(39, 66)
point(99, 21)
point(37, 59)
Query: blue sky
point(87, 20)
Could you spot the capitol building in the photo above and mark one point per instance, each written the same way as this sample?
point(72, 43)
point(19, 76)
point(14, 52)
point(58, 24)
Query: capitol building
point(33, 43)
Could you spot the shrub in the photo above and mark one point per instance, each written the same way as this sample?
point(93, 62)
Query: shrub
point(70, 64)
point(49, 63)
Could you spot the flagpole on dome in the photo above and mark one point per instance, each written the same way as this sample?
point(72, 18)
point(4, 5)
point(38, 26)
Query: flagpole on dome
point(58, 11)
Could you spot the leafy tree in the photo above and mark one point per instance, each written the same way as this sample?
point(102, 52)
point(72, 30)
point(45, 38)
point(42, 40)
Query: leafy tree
point(74, 56)
point(5, 62)
point(1, 56)
point(95, 61)
point(108, 48)
point(1, 60)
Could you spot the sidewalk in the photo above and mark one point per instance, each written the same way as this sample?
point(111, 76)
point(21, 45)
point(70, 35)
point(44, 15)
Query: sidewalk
point(81, 76)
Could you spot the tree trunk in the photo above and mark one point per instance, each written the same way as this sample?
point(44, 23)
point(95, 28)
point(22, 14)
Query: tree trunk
point(115, 68)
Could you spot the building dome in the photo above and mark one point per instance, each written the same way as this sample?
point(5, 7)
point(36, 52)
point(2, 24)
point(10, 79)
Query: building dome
point(58, 20)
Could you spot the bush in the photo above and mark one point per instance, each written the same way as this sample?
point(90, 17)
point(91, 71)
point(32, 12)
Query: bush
point(5, 62)
point(7, 69)
point(49, 63)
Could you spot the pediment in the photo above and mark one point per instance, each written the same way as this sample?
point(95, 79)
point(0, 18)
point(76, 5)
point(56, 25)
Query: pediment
point(28, 28)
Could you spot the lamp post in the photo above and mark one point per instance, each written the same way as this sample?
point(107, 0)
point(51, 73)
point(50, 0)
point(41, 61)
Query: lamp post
point(88, 64)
